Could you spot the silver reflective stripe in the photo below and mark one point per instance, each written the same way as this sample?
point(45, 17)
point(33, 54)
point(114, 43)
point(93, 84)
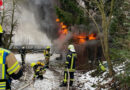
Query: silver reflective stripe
point(0, 71)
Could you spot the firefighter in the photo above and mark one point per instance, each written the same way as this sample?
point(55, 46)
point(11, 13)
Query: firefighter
point(22, 51)
point(47, 55)
point(9, 67)
point(39, 70)
point(69, 66)
point(102, 67)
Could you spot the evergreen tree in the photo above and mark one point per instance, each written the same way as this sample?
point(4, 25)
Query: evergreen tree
point(70, 13)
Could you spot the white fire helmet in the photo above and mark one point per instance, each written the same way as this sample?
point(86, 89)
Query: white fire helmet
point(71, 48)
point(23, 47)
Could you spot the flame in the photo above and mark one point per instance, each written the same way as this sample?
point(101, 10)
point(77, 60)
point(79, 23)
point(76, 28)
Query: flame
point(80, 38)
point(64, 31)
point(92, 36)
point(57, 20)
point(63, 26)
point(81, 41)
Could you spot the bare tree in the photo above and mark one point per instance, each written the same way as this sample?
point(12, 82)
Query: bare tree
point(105, 26)
point(13, 23)
point(9, 22)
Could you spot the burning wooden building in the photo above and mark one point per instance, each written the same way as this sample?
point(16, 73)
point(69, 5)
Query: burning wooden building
point(87, 44)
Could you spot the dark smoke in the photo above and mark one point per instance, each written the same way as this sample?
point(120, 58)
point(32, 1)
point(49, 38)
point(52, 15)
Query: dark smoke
point(45, 16)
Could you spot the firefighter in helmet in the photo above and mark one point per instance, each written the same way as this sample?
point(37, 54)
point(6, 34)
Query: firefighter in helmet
point(69, 66)
point(39, 70)
point(22, 51)
point(47, 55)
point(9, 66)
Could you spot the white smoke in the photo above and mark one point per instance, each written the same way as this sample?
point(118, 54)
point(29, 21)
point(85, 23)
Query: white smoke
point(61, 43)
point(28, 32)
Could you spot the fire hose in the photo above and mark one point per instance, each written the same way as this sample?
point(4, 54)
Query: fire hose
point(68, 81)
point(28, 84)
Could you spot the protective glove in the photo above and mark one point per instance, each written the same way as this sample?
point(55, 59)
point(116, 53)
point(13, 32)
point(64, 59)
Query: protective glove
point(66, 65)
point(33, 78)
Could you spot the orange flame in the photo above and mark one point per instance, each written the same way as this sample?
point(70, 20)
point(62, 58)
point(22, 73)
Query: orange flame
point(64, 31)
point(81, 41)
point(63, 26)
point(57, 20)
point(61, 23)
point(92, 36)
point(80, 38)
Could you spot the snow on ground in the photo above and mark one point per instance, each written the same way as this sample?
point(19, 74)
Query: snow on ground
point(51, 77)
point(54, 75)
point(48, 83)
point(35, 57)
point(87, 82)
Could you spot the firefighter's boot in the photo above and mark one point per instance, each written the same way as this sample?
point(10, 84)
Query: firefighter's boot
point(40, 77)
point(47, 65)
point(63, 84)
point(71, 83)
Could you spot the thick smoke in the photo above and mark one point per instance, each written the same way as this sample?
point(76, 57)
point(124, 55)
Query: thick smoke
point(45, 16)
point(37, 24)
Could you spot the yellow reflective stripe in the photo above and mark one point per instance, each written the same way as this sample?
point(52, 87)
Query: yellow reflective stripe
point(47, 52)
point(3, 71)
point(44, 70)
point(65, 78)
point(2, 66)
point(44, 53)
point(34, 75)
point(67, 62)
point(2, 88)
point(13, 68)
point(71, 79)
point(1, 56)
point(5, 50)
point(1, 83)
point(70, 70)
point(69, 56)
point(1, 29)
point(37, 70)
point(72, 62)
point(47, 56)
point(0, 71)
point(16, 63)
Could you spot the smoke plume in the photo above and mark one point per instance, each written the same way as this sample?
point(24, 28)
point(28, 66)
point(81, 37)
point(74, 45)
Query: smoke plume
point(37, 24)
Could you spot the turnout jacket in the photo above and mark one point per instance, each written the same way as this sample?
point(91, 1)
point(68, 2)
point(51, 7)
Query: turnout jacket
point(39, 70)
point(9, 67)
point(22, 51)
point(46, 53)
point(70, 61)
